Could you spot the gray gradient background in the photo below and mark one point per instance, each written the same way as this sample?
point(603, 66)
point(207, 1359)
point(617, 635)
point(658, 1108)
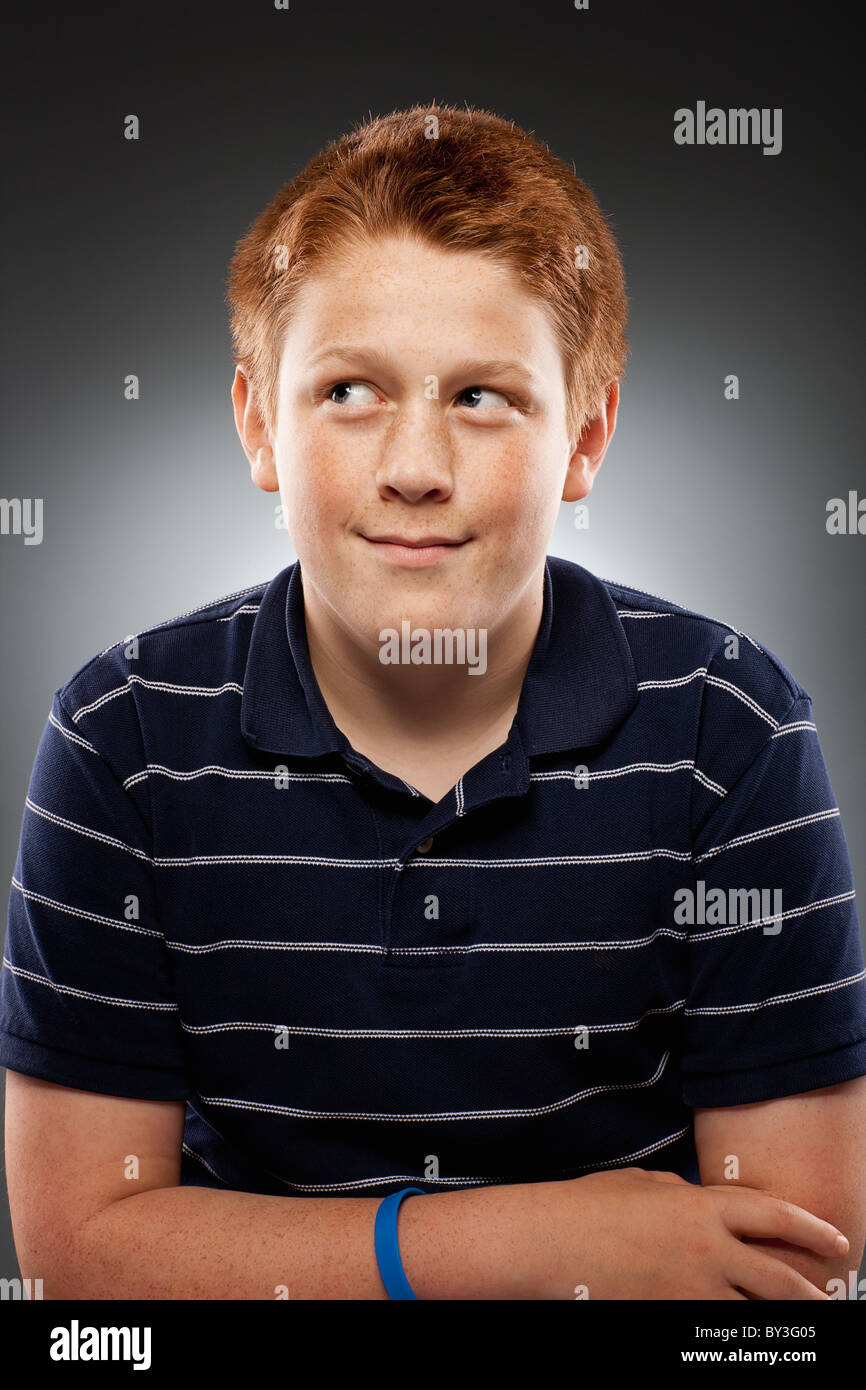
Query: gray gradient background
point(115, 256)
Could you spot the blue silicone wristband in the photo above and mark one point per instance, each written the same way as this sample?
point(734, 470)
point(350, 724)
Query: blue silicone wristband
point(387, 1247)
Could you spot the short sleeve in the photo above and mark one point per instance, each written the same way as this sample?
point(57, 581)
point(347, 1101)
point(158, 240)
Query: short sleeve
point(86, 992)
point(777, 990)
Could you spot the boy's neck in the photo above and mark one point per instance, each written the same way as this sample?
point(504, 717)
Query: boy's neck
point(411, 709)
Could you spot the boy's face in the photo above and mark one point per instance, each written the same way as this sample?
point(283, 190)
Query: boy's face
point(421, 394)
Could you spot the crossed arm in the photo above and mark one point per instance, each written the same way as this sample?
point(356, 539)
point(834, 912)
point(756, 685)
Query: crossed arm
point(90, 1232)
point(809, 1149)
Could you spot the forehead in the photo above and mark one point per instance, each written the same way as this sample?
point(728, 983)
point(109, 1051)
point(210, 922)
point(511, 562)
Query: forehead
point(418, 298)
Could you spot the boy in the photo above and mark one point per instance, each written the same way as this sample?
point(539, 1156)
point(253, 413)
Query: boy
point(421, 865)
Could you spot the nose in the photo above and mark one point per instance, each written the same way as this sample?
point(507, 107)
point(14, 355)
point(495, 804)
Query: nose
point(417, 459)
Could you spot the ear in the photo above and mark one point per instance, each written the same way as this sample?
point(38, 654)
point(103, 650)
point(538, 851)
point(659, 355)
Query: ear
point(591, 447)
point(255, 441)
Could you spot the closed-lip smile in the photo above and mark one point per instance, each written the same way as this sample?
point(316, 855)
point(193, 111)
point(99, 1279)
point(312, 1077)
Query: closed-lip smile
point(415, 544)
point(415, 552)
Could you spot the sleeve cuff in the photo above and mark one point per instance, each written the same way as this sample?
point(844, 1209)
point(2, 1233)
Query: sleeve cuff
point(709, 1089)
point(91, 1073)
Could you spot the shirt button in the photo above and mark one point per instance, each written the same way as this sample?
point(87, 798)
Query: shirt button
point(425, 845)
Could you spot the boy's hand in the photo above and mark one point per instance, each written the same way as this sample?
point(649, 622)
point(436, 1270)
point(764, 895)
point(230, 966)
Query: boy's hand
point(630, 1233)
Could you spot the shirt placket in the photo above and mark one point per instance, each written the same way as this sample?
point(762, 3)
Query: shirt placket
point(429, 879)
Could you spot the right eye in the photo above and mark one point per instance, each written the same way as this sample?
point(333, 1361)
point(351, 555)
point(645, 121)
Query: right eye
point(345, 386)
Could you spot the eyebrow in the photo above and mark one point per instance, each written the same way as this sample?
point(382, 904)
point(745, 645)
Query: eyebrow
point(467, 365)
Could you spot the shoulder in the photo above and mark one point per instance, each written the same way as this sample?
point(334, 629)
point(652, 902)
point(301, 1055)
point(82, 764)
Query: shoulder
point(199, 651)
point(671, 641)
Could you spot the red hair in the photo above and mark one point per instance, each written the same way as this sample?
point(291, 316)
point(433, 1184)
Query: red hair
point(461, 179)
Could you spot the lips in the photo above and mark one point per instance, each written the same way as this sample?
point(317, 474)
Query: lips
point(414, 552)
point(417, 543)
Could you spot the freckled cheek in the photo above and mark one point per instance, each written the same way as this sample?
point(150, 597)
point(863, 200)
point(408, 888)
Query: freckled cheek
point(321, 485)
point(512, 493)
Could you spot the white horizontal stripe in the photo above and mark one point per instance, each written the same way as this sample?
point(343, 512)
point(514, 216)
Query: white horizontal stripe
point(781, 998)
point(158, 685)
point(239, 943)
point(301, 1030)
point(67, 733)
point(320, 861)
point(568, 774)
point(103, 699)
point(627, 945)
point(79, 912)
point(312, 861)
point(438, 1115)
point(640, 613)
point(673, 681)
point(87, 994)
point(215, 769)
point(84, 830)
point(769, 830)
point(245, 608)
point(230, 944)
point(550, 860)
point(803, 911)
point(800, 725)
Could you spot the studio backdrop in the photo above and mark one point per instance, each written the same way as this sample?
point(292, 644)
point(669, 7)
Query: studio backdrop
point(143, 139)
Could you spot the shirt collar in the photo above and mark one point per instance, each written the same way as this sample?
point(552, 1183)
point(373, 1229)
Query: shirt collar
point(579, 685)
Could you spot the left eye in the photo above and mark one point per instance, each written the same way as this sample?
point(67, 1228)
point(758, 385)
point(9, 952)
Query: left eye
point(482, 391)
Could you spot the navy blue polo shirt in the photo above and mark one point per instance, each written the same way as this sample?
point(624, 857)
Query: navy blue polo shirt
point(640, 903)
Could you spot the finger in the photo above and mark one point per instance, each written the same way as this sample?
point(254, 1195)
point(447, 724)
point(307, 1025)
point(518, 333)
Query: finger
point(749, 1212)
point(764, 1277)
